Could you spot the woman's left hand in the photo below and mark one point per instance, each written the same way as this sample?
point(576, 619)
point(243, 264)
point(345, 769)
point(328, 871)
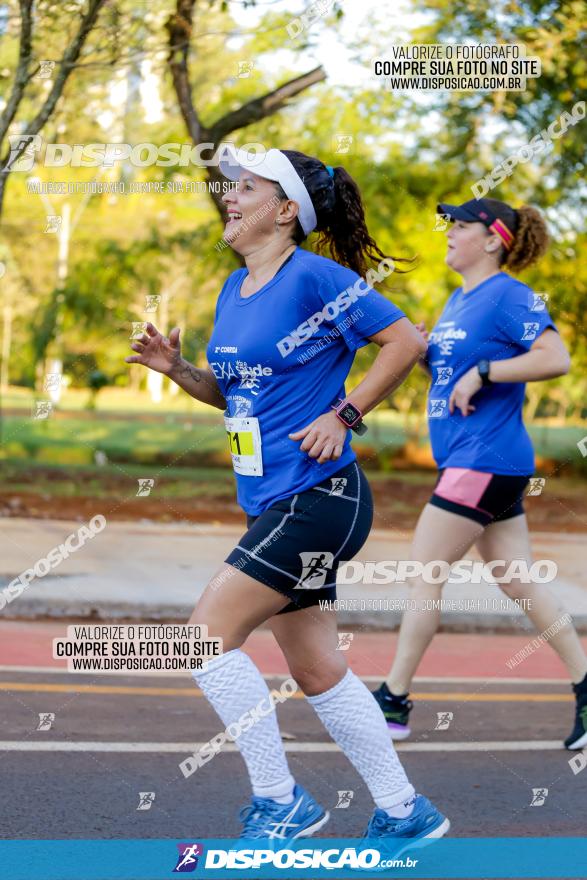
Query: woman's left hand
point(468, 385)
point(323, 438)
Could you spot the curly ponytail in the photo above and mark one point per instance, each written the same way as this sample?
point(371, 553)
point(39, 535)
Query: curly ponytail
point(340, 213)
point(531, 239)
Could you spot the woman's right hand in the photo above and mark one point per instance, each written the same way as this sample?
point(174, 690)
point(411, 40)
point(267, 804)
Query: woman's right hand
point(157, 351)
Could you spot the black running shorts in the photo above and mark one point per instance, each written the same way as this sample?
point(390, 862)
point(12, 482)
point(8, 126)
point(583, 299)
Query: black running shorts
point(297, 544)
point(485, 498)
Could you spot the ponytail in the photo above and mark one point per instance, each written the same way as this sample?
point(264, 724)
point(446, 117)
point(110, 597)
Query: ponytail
point(531, 239)
point(340, 214)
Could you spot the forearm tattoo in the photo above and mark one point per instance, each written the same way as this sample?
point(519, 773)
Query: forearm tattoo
point(188, 370)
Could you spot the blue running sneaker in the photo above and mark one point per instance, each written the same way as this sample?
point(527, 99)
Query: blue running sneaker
point(268, 819)
point(423, 824)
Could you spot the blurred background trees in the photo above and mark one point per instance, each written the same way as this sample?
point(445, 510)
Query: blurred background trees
point(178, 70)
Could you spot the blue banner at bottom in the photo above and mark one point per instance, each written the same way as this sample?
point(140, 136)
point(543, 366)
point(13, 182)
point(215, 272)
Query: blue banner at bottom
point(501, 857)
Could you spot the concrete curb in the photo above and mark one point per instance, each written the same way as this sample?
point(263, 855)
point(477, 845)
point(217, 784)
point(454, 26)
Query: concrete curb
point(452, 622)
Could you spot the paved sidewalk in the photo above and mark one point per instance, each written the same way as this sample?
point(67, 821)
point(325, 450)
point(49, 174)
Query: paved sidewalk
point(157, 571)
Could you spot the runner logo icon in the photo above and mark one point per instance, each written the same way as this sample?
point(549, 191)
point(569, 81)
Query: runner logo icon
point(145, 486)
point(344, 800)
point(146, 799)
point(338, 485)
point(251, 376)
point(537, 301)
point(187, 860)
point(46, 719)
point(444, 719)
point(443, 375)
point(536, 486)
point(344, 641)
point(241, 405)
point(315, 568)
point(437, 409)
point(441, 222)
point(539, 796)
point(530, 331)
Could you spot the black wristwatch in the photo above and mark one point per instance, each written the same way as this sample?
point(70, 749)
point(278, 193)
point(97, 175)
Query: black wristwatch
point(483, 370)
point(350, 416)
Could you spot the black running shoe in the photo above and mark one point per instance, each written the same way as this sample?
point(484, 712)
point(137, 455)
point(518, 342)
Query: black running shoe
point(578, 738)
point(396, 711)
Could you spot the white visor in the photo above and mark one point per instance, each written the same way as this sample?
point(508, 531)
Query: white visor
point(272, 165)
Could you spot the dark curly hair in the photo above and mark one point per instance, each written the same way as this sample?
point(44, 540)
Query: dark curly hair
point(531, 238)
point(340, 213)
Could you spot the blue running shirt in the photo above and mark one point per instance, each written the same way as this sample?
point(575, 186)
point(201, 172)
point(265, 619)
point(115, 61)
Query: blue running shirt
point(281, 358)
point(498, 319)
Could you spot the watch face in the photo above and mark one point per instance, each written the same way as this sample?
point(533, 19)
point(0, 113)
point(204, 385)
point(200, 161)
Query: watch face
point(349, 413)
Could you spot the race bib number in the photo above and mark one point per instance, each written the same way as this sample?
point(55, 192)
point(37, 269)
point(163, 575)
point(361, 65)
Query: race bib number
point(244, 438)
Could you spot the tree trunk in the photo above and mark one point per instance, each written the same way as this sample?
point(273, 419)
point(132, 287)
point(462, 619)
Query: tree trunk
point(179, 27)
point(25, 71)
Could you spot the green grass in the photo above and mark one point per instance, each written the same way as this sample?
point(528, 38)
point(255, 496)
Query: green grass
point(127, 427)
point(110, 399)
point(558, 442)
point(150, 435)
point(75, 440)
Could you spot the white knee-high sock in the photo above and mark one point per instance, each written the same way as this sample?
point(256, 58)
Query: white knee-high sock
point(350, 714)
point(233, 685)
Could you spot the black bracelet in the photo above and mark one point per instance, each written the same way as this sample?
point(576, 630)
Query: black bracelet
point(483, 368)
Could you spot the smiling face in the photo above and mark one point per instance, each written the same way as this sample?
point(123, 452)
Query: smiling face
point(470, 244)
point(255, 213)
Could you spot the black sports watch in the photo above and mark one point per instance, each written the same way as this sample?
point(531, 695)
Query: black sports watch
point(483, 370)
point(351, 416)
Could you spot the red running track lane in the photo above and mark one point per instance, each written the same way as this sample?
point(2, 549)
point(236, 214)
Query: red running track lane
point(24, 643)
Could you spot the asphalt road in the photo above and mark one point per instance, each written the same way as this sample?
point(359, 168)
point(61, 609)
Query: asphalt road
point(481, 770)
point(116, 736)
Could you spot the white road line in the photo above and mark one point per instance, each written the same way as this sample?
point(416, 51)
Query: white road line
point(188, 748)
point(51, 670)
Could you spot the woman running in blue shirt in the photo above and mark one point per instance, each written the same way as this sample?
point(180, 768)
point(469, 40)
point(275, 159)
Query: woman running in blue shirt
point(494, 335)
point(286, 330)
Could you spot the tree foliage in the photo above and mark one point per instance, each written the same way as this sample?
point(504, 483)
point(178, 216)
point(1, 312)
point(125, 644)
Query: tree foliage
point(405, 150)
